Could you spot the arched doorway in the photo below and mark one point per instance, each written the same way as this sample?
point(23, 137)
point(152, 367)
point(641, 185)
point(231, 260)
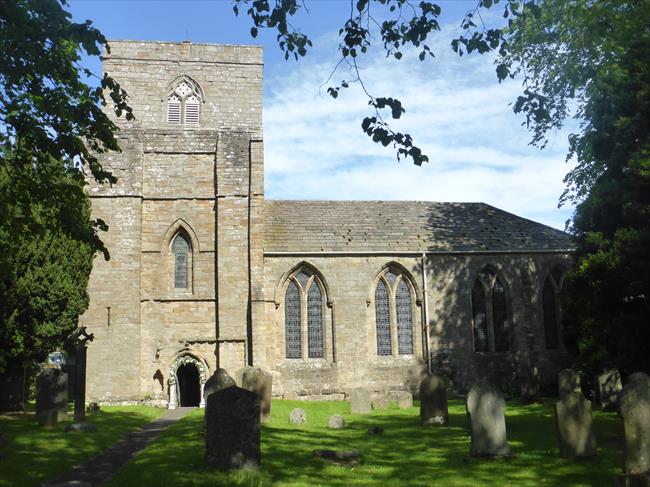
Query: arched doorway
point(189, 388)
point(187, 376)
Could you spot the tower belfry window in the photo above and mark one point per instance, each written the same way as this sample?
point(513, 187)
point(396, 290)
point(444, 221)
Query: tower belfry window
point(184, 103)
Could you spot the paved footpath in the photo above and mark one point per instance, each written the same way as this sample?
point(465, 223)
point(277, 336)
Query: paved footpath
point(101, 467)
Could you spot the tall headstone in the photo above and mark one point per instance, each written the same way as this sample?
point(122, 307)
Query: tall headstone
point(635, 409)
point(232, 437)
point(218, 381)
point(360, 401)
point(608, 385)
point(433, 401)
point(260, 382)
point(574, 426)
point(486, 409)
point(404, 399)
point(568, 381)
point(51, 396)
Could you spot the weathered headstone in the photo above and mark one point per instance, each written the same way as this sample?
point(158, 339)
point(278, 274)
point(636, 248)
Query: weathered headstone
point(530, 385)
point(608, 385)
point(574, 426)
point(568, 381)
point(218, 381)
point(404, 399)
point(260, 382)
point(433, 401)
point(51, 396)
point(298, 416)
point(380, 402)
point(635, 409)
point(232, 437)
point(486, 409)
point(360, 401)
point(336, 422)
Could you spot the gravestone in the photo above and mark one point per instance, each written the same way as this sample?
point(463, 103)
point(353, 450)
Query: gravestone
point(433, 401)
point(530, 386)
point(635, 409)
point(641, 377)
point(574, 426)
point(486, 409)
point(380, 402)
point(51, 396)
point(260, 382)
point(568, 381)
point(404, 400)
point(218, 381)
point(232, 436)
point(298, 416)
point(608, 385)
point(360, 401)
point(336, 422)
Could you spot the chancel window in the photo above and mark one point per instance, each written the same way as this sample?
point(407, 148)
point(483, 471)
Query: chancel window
point(181, 249)
point(393, 314)
point(490, 313)
point(550, 308)
point(184, 102)
point(304, 316)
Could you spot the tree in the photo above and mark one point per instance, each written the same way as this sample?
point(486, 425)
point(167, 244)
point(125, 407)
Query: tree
point(52, 127)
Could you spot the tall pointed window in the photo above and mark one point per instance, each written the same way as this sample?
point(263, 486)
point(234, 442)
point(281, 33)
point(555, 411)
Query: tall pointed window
point(393, 314)
point(550, 308)
point(181, 249)
point(490, 313)
point(184, 102)
point(304, 316)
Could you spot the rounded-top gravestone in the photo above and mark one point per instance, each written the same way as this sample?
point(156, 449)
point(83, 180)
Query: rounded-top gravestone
point(298, 416)
point(218, 381)
point(433, 401)
point(486, 408)
point(568, 382)
point(574, 426)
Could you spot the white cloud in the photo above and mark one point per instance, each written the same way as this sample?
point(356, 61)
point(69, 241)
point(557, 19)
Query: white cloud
point(456, 112)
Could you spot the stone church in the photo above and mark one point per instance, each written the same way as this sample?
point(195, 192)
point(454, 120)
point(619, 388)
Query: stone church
point(326, 295)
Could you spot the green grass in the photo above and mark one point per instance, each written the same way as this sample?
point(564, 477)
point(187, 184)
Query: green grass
point(406, 454)
point(33, 454)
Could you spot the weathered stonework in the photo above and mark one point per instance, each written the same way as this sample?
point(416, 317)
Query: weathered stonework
point(206, 182)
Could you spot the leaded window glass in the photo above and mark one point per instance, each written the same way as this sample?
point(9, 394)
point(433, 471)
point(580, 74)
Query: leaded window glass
point(404, 319)
point(549, 308)
point(303, 278)
point(480, 317)
point(292, 317)
point(180, 249)
point(391, 277)
point(314, 322)
point(382, 316)
point(500, 317)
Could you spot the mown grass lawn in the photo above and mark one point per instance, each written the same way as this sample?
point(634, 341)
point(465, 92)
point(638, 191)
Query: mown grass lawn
point(33, 454)
point(406, 454)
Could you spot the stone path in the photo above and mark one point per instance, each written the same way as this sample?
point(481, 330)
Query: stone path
point(101, 467)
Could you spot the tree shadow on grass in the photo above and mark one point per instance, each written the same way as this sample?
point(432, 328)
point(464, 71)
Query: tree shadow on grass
point(33, 454)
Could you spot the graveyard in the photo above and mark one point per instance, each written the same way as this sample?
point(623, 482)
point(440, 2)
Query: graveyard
point(405, 453)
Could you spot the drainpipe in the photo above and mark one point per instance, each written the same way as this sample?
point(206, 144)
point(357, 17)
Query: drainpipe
point(425, 304)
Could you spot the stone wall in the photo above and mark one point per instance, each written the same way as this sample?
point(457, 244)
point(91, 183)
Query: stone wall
point(350, 281)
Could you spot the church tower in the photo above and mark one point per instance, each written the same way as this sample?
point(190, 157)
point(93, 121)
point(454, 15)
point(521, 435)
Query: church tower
point(183, 287)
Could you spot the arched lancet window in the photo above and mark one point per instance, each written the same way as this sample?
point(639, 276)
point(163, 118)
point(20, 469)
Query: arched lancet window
point(393, 314)
point(550, 308)
point(490, 313)
point(184, 102)
point(181, 249)
point(304, 316)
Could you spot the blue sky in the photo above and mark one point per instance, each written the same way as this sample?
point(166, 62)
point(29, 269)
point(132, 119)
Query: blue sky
point(314, 147)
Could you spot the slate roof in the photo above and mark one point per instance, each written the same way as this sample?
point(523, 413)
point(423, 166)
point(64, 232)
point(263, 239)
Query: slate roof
point(377, 226)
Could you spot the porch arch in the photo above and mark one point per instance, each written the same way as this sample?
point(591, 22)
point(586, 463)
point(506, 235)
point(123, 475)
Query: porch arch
point(186, 358)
